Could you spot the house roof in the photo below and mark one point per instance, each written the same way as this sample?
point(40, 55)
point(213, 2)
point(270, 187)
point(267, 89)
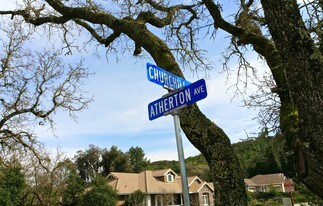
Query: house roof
point(163, 172)
point(249, 182)
point(125, 182)
point(211, 185)
point(150, 182)
point(267, 179)
point(195, 184)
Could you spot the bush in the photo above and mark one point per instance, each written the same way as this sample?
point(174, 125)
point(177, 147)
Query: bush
point(99, 194)
point(135, 199)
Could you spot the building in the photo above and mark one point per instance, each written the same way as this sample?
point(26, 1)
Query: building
point(264, 183)
point(162, 187)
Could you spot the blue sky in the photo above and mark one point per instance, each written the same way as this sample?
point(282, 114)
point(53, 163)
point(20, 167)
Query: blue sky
point(119, 114)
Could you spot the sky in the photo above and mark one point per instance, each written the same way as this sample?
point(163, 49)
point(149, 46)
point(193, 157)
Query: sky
point(119, 114)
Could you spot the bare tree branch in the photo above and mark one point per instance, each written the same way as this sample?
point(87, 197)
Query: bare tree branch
point(29, 79)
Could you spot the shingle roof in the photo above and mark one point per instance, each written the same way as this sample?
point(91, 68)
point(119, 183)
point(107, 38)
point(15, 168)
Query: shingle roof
point(159, 173)
point(125, 182)
point(147, 182)
point(155, 186)
point(277, 178)
point(249, 182)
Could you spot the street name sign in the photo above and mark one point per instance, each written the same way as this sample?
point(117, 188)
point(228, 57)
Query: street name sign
point(178, 99)
point(164, 78)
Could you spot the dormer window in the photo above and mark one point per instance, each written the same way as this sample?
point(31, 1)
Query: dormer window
point(170, 178)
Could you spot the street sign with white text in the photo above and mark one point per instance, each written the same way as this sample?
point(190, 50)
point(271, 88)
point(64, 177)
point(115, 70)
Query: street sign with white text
point(184, 97)
point(164, 78)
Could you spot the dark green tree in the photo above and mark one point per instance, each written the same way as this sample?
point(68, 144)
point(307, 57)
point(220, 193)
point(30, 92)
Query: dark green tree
point(114, 160)
point(264, 155)
point(197, 166)
point(74, 189)
point(88, 162)
point(136, 198)
point(99, 194)
point(137, 159)
point(165, 164)
point(12, 185)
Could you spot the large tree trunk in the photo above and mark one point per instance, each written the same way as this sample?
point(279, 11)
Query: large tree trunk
point(216, 148)
point(304, 67)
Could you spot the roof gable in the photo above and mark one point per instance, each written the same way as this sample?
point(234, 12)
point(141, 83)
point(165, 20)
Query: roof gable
point(267, 179)
point(195, 185)
point(249, 182)
point(194, 179)
point(163, 172)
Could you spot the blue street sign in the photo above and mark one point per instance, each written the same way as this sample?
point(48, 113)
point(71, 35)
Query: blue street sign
point(164, 78)
point(184, 97)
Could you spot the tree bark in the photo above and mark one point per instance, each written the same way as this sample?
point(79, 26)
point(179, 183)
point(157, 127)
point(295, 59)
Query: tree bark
point(303, 65)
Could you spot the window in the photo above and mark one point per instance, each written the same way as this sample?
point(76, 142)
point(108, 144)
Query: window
point(206, 199)
point(170, 178)
point(263, 189)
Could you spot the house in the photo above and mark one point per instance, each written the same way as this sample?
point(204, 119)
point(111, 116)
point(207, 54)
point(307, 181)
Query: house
point(162, 187)
point(264, 183)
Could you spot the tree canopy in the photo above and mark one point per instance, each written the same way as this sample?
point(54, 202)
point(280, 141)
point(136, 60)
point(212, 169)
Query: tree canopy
point(34, 85)
point(12, 185)
point(99, 194)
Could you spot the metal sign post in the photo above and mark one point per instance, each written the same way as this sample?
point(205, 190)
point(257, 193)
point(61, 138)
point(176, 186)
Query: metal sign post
point(181, 159)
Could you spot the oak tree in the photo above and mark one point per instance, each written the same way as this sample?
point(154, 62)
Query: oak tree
point(291, 49)
point(34, 85)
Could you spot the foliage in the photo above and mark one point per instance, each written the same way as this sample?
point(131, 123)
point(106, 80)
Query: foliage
point(74, 189)
point(258, 155)
point(135, 199)
point(264, 155)
point(165, 164)
point(99, 194)
point(47, 181)
point(88, 162)
point(197, 166)
point(272, 198)
point(114, 160)
point(12, 185)
point(302, 194)
point(95, 161)
point(137, 159)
